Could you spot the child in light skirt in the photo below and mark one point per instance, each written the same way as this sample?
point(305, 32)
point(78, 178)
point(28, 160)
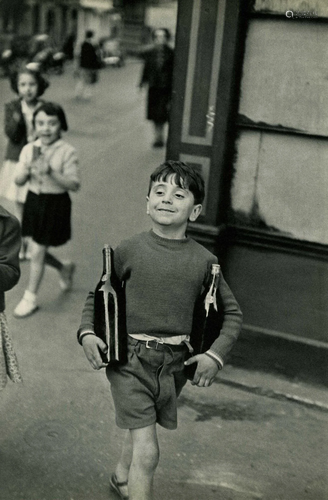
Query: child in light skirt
point(50, 165)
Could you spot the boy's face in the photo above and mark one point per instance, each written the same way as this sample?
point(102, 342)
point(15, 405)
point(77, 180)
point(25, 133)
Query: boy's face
point(47, 128)
point(171, 206)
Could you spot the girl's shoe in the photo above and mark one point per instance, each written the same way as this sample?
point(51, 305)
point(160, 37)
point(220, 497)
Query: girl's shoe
point(115, 486)
point(26, 306)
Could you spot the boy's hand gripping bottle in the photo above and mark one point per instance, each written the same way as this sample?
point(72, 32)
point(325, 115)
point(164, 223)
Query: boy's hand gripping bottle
point(109, 311)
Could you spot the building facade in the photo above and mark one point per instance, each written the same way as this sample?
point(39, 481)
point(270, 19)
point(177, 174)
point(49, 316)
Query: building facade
point(61, 18)
point(57, 18)
point(249, 111)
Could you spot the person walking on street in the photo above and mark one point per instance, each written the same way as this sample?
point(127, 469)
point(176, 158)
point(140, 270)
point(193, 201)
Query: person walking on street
point(164, 272)
point(157, 74)
point(30, 85)
point(10, 243)
point(51, 167)
point(88, 65)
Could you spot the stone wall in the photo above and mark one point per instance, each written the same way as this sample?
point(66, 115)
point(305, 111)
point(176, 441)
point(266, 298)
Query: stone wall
point(281, 162)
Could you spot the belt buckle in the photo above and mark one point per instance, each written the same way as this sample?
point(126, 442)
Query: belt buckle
point(157, 342)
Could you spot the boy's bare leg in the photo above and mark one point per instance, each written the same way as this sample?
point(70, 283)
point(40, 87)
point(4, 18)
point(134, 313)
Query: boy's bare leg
point(145, 457)
point(123, 466)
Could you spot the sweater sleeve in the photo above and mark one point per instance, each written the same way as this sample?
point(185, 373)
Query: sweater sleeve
point(10, 241)
point(15, 127)
point(87, 324)
point(232, 322)
point(145, 70)
point(70, 167)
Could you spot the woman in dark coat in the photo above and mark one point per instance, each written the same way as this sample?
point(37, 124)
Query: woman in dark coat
point(158, 73)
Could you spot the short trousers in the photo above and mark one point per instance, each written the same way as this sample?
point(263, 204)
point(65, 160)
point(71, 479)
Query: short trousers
point(146, 388)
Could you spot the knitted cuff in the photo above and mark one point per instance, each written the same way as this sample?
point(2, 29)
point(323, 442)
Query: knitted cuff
point(80, 335)
point(213, 355)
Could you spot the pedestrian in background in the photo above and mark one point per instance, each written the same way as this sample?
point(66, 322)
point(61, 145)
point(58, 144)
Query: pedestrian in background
point(68, 46)
point(51, 166)
point(10, 243)
point(164, 273)
point(157, 74)
point(29, 84)
point(88, 65)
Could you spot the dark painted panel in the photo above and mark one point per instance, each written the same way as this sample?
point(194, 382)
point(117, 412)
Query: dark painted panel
point(223, 135)
point(203, 69)
point(179, 78)
point(280, 291)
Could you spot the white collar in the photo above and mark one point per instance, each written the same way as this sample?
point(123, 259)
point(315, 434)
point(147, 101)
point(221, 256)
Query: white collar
point(26, 110)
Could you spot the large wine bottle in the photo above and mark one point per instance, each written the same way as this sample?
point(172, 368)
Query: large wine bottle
point(109, 311)
point(207, 319)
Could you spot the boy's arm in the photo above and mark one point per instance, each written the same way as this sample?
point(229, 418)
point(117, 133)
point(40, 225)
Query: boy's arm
point(231, 326)
point(87, 337)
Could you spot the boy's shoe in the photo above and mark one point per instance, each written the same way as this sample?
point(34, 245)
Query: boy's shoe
point(115, 486)
point(26, 306)
point(66, 276)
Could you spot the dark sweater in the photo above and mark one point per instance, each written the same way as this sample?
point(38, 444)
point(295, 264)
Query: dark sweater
point(15, 130)
point(163, 279)
point(10, 242)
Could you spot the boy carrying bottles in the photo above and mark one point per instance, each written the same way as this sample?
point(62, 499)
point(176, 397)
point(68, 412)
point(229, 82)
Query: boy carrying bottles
point(164, 272)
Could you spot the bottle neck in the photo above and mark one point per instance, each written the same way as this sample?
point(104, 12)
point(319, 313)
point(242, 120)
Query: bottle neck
point(107, 261)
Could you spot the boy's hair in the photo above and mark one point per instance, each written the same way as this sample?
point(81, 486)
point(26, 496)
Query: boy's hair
point(186, 177)
point(42, 83)
point(52, 109)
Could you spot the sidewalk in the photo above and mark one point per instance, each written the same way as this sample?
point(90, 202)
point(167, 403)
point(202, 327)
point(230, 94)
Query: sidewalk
point(272, 386)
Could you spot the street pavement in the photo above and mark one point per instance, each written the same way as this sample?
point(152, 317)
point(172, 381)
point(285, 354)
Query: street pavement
point(254, 434)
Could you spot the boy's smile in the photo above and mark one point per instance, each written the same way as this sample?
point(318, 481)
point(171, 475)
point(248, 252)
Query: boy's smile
point(171, 207)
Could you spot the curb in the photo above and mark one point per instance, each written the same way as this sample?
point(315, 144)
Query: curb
point(281, 396)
